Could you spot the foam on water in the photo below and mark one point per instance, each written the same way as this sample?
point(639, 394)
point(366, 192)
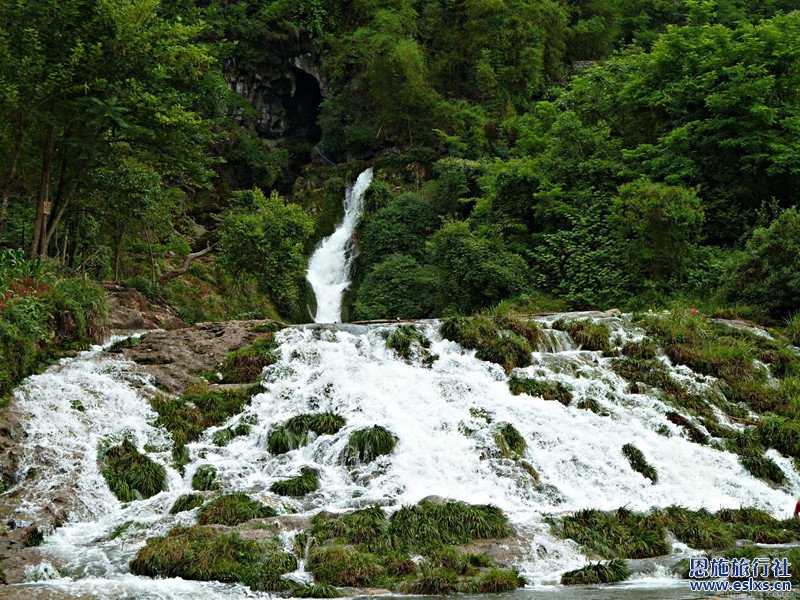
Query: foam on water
point(331, 265)
point(443, 417)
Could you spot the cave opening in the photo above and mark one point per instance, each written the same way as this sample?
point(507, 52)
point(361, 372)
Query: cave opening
point(303, 110)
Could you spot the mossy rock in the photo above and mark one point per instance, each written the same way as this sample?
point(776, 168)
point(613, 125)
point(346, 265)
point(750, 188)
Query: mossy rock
point(233, 509)
point(509, 440)
point(540, 388)
point(293, 433)
point(205, 478)
point(588, 335)
point(305, 483)
point(403, 339)
point(601, 572)
point(204, 554)
point(130, 474)
point(186, 502)
point(502, 340)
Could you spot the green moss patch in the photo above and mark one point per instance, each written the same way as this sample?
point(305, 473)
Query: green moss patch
point(294, 432)
point(588, 335)
point(204, 554)
point(186, 502)
point(233, 509)
point(540, 388)
point(130, 474)
point(245, 365)
point(305, 483)
point(367, 444)
point(639, 462)
point(601, 572)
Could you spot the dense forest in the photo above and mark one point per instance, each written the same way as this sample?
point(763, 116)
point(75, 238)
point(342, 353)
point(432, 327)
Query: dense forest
point(551, 153)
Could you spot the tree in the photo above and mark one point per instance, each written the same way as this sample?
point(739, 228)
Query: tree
point(659, 226)
point(769, 272)
point(269, 243)
point(398, 287)
point(401, 227)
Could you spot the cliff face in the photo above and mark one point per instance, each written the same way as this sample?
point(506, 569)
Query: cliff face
point(285, 91)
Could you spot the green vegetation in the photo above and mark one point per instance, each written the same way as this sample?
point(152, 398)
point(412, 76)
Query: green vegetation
point(539, 388)
point(131, 475)
point(33, 537)
point(204, 554)
point(639, 462)
point(509, 441)
point(625, 534)
point(317, 590)
point(367, 444)
point(305, 483)
point(245, 365)
point(294, 433)
point(42, 315)
point(609, 572)
point(502, 339)
point(587, 334)
point(188, 416)
point(406, 338)
point(365, 549)
point(186, 502)
point(232, 509)
point(205, 478)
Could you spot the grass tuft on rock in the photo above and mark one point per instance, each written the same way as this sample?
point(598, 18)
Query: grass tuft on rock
point(293, 433)
point(188, 416)
point(344, 566)
point(644, 349)
point(403, 340)
point(130, 474)
point(367, 444)
point(540, 388)
point(761, 466)
point(497, 580)
point(602, 572)
point(434, 581)
point(186, 502)
point(317, 590)
point(587, 334)
point(692, 431)
point(366, 526)
point(639, 463)
point(296, 487)
point(205, 554)
point(509, 441)
point(502, 340)
point(245, 365)
point(233, 509)
point(432, 524)
point(205, 478)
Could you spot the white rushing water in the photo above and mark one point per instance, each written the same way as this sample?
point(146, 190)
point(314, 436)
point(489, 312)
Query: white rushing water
point(443, 415)
point(331, 265)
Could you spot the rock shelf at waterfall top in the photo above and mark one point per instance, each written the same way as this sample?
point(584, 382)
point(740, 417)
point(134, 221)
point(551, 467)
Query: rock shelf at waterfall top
point(474, 454)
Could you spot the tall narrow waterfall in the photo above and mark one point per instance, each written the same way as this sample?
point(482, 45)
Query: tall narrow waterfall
point(330, 267)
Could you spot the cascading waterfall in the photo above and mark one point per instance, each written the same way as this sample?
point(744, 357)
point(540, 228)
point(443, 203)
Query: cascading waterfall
point(443, 415)
point(331, 265)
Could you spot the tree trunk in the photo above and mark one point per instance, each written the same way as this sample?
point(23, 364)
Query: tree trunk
point(12, 173)
point(169, 276)
point(117, 252)
point(43, 200)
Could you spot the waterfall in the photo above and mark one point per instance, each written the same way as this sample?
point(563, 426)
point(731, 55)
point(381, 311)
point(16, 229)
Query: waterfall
point(331, 265)
point(442, 414)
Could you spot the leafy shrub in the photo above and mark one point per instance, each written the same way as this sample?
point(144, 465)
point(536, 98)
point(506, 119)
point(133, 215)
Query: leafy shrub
point(205, 478)
point(186, 502)
point(232, 509)
point(398, 288)
point(639, 463)
point(130, 474)
point(547, 390)
point(609, 572)
point(305, 483)
point(587, 334)
point(367, 444)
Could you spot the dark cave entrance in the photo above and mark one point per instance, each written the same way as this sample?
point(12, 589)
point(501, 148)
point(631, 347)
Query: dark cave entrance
point(303, 109)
